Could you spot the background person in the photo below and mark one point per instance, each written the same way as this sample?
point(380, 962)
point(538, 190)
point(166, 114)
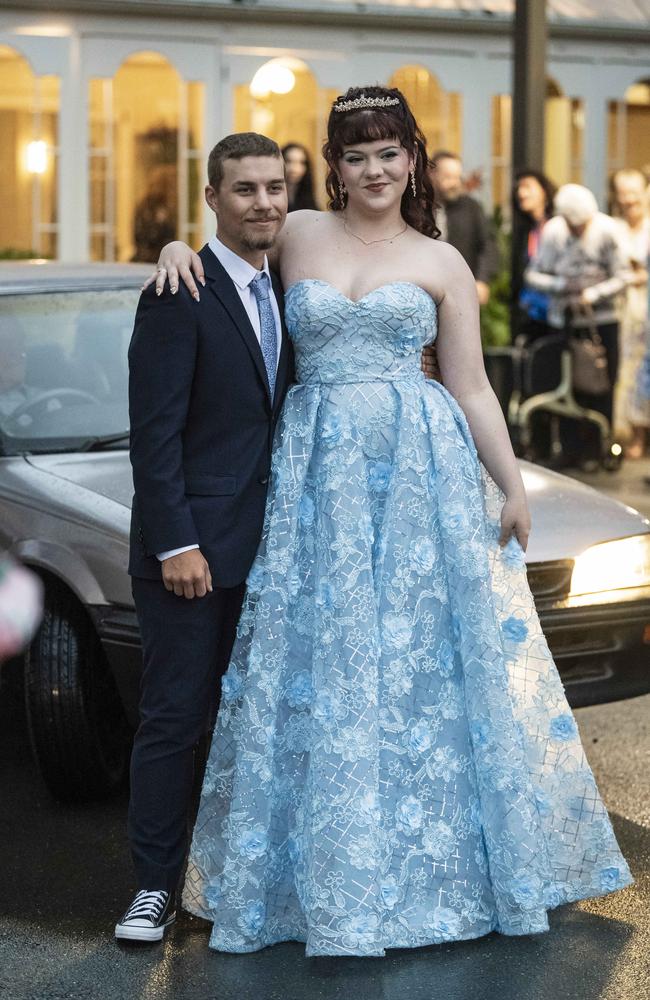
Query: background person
point(582, 269)
point(298, 172)
point(632, 410)
point(462, 222)
point(532, 206)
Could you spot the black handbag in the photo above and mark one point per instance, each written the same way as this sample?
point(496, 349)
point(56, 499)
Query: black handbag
point(589, 358)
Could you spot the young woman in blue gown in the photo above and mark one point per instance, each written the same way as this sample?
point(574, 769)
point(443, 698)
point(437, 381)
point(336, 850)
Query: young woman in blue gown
point(394, 763)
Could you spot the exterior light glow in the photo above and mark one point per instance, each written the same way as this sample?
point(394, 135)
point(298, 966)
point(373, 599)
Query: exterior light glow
point(36, 157)
point(274, 77)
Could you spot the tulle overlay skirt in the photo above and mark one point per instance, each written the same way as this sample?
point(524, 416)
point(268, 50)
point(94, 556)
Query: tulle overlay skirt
point(394, 763)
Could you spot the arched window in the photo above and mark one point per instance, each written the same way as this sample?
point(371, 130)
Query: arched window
point(629, 129)
point(29, 114)
point(285, 102)
point(563, 144)
point(146, 159)
point(437, 111)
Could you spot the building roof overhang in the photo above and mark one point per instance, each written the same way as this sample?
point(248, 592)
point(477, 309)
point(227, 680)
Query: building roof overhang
point(568, 18)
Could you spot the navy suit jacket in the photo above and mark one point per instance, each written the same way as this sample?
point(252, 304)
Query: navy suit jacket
point(202, 425)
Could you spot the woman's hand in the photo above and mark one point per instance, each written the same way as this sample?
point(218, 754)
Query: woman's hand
point(515, 520)
point(177, 259)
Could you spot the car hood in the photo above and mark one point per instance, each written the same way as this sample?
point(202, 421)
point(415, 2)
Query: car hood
point(106, 473)
point(567, 516)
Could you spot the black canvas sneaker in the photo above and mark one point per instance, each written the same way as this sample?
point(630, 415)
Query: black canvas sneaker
point(147, 917)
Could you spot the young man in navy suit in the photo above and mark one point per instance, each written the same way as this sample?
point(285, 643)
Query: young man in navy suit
point(208, 377)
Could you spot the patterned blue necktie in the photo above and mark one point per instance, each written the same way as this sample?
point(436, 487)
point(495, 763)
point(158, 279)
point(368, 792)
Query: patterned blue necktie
point(268, 334)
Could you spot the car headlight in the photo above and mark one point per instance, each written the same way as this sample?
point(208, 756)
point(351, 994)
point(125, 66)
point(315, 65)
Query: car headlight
point(612, 566)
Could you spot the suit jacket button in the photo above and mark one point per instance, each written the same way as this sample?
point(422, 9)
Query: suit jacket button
point(263, 480)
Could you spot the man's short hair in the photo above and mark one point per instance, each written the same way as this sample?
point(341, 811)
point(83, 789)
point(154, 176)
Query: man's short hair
point(443, 154)
point(236, 147)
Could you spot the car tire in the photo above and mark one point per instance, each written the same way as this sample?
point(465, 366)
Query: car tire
point(77, 727)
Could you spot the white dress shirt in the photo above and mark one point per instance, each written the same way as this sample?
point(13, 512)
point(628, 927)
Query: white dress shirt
point(241, 273)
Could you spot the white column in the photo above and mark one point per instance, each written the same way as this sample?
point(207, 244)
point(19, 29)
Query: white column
point(73, 207)
point(218, 121)
point(594, 174)
point(477, 133)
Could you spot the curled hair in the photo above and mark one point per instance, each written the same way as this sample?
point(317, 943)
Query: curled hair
point(349, 128)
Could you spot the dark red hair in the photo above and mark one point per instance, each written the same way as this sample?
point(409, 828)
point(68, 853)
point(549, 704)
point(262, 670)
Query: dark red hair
point(349, 128)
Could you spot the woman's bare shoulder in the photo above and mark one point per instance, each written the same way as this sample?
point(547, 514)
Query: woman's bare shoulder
point(450, 262)
point(441, 265)
point(442, 253)
point(302, 221)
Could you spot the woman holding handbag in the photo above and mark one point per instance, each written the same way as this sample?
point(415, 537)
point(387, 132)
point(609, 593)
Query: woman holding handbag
point(581, 266)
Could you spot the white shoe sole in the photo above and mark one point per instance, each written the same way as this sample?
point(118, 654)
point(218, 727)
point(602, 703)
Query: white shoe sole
point(125, 932)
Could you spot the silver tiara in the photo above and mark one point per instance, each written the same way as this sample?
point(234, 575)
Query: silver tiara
point(360, 103)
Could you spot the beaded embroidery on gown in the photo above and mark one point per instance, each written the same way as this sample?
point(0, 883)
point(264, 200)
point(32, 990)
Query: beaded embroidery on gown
point(394, 762)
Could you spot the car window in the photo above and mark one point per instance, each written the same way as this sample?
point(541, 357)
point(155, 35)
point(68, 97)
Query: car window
point(63, 368)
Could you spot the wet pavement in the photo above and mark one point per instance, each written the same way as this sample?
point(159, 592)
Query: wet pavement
point(67, 877)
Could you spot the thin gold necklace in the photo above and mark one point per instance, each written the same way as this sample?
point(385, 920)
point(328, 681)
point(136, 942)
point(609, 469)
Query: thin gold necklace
point(367, 243)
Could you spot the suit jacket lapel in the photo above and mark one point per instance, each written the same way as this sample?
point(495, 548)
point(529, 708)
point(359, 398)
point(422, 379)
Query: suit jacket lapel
point(221, 285)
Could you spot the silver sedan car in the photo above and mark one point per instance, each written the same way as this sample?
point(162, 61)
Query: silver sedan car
point(65, 497)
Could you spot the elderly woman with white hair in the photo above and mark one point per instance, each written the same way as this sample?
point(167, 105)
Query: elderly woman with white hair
point(581, 266)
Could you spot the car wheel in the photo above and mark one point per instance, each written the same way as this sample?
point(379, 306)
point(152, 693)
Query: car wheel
point(78, 731)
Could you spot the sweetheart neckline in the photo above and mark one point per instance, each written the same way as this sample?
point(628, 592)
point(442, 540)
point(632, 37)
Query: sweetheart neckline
point(355, 302)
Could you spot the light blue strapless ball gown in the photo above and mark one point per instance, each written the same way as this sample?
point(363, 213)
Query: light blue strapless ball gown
point(394, 762)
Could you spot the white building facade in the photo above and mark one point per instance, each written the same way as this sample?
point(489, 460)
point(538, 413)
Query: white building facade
point(109, 109)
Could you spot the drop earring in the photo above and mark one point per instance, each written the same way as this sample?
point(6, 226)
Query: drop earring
point(342, 191)
point(414, 187)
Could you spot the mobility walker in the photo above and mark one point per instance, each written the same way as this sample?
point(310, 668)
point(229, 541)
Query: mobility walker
point(543, 381)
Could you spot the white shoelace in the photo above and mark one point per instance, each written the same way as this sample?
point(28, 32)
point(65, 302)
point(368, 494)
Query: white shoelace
point(147, 905)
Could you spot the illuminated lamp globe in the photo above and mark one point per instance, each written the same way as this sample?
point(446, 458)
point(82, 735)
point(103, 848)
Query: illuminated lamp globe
point(36, 157)
point(272, 78)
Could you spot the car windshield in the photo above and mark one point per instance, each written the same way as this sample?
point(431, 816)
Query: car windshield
point(64, 371)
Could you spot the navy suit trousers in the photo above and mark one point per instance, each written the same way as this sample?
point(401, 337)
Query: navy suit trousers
point(186, 647)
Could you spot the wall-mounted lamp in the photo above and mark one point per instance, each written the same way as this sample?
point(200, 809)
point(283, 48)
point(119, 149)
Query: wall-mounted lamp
point(36, 157)
point(274, 77)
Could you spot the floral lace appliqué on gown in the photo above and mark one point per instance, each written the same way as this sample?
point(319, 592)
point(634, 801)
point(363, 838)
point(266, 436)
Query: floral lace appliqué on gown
point(394, 762)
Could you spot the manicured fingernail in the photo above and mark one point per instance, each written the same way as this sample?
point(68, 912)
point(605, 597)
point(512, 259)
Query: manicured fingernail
point(159, 291)
point(202, 280)
point(196, 296)
point(174, 289)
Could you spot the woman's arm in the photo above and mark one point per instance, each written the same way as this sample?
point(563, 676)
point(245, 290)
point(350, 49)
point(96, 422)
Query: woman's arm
point(617, 274)
point(463, 375)
point(178, 261)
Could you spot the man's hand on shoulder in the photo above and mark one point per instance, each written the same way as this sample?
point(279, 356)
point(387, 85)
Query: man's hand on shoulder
point(187, 574)
point(429, 363)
